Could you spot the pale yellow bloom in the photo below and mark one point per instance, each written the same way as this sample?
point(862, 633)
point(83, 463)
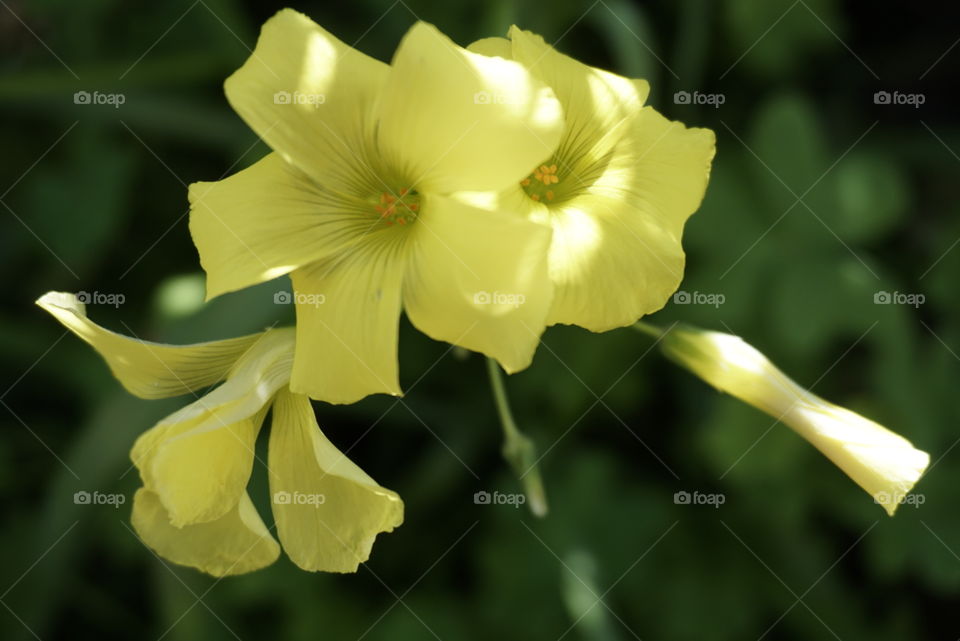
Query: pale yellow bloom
point(616, 192)
point(358, 201)
point(196, 463)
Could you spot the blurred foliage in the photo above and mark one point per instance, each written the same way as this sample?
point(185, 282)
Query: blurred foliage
point(820, 198)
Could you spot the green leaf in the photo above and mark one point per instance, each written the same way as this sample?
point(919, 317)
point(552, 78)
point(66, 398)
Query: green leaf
point(873, 195)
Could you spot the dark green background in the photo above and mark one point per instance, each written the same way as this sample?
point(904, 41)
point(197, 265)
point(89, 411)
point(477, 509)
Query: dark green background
point(94, 199)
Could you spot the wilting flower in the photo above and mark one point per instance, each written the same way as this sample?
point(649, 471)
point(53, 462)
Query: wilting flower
point(883, 463)
point(196, 463)
point(617, 190)
point(357, 202)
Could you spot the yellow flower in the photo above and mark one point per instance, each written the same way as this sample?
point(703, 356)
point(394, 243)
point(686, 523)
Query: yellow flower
point(196, 463)
point(617, 191)
point(883, 463)
point(358, 201)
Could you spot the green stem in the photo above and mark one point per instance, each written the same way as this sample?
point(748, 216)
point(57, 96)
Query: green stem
point(650, 330)
point(518, 449)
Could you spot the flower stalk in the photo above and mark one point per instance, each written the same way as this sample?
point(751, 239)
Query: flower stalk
point(518, 449)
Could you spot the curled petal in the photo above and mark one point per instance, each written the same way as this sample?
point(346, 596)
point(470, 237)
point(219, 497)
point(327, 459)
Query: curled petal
point(328, 510)
point(145, 369)
point(236, 543)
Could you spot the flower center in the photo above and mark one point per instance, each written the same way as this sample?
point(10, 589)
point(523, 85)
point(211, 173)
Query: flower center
point(538, 185)
point(398, 209)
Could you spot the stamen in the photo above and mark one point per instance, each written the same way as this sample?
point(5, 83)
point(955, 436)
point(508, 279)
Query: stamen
point(542, 176)
point(398, 209)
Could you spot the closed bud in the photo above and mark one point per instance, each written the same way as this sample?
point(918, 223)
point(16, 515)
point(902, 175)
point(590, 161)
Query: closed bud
point(881, 462)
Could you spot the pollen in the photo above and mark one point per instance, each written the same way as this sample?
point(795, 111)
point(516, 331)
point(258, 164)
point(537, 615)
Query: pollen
point(546, 175)
point(398, 208)
point(537, 184)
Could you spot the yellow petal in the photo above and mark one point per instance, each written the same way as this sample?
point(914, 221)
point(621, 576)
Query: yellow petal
point(500, 47)
point(309, 96)
point(456, 120)
point(883, 463)
point(328, 511)
point(478, 279)
point(145, 369)
point(198, 460)
point(197, 474)
point(616, 252)
point(597, 104)
point(236, 543)
point(348, 309)
point(251, 382)
point(266, 221)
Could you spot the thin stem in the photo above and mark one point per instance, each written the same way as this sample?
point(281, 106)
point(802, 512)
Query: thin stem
point(518, 450)
point(510, 429)
point(648, 329)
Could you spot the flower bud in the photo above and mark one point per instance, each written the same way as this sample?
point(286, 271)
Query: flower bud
point(883, 463)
